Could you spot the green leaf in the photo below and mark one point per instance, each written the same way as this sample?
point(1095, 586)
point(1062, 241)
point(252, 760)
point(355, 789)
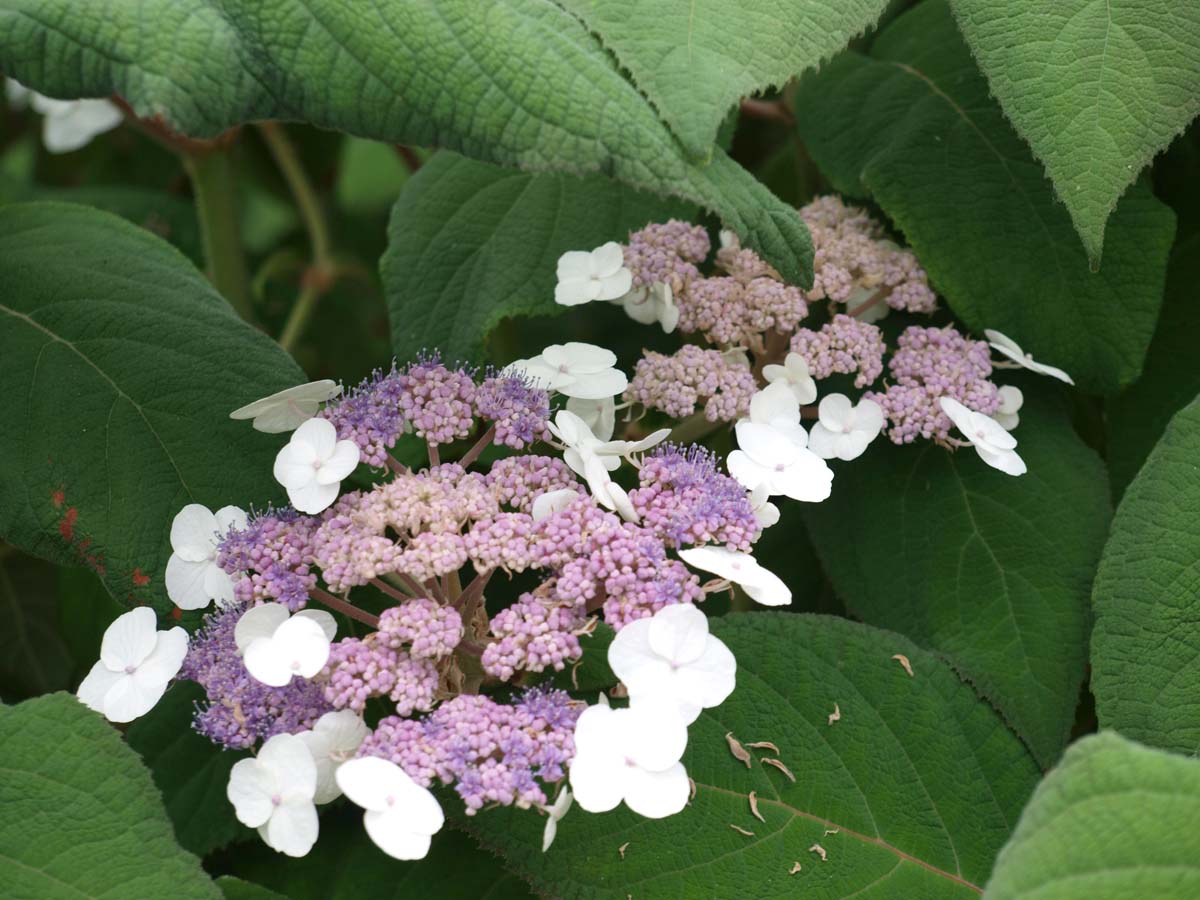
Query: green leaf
point(1145, 663)
point(471, 243)
point(694, 59)
point(911, 793)
point(1097, 88)
point(33, 658)
point(81, 815)
point(913, 126)
point(991, 571)
point(123, 364)
point(190, 770)
point(1114, 820)
point(236, 889)
point(1138, 415)
point(345, 865)
point(517, 82)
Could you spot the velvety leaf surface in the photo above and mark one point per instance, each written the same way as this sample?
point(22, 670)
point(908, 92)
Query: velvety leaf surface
point(1146, 641)
point(695, 58)
point(1097, 88)
point(189, 770)
point(519, 82)
point(471, 243)
point(345, 865)
point(991, 571)
point(1138, 415)
point(1114, 820)
point(121, 364)
point(910, 794)
point(237, 889)
point(81, 816)
point(913, 126)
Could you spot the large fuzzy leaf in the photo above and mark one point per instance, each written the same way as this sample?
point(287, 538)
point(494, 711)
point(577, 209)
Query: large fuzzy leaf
point(120, 364)
point(1114, 820)
point(81, 816)
point(518, 82)
point(1146, 642)
point(913, 126)
point(909, 794)
point(991, 571)
point(695, 58)
point(1097, 88)
point(471, 243)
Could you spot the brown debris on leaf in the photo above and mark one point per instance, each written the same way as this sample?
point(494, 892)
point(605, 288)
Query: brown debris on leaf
point(754, 806)
point(781, 767)
point(796, 867)
point(740, 830)
point(903, 660)
point(836, 715)
point(764, 745)
point(735, 747)
point(621, 850)
point(691, 790)
point(819, 850)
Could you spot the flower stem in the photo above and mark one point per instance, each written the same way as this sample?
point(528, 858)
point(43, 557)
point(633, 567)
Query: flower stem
point(214, 183)
point(322, 270)
point(473, 454)
point(694, 428)
point(344, 607)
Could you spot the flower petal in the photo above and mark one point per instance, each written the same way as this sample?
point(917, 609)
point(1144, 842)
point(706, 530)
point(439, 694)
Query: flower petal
point(634, 661)
point(129, 639)
point(292, 828)
point(131, 697)
point(313, 498)
point(596, 385)
point(249, 790)
point(708, 680)
point(677, 633)
point(258, 622)
point(340, 464)
point(656, 795)
point(194, 533)
point(185, 582)
point(655, 734)
point(389, 832)
point(95, 686)
point(576, 264)
point(597, 781)
point(326, 621)
point(164, 663)
point(218, 585)
point(775, 401)
point(286, 756)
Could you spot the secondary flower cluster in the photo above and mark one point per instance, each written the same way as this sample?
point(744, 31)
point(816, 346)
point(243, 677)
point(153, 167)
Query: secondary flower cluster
point(448, 684)
point(752, 321)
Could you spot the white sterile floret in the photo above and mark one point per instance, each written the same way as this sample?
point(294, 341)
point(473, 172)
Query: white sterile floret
point(552, 502)
point(777, 461)
point(600, 416)
point(574, 369)
point(652, 303)
point(332, 741)
point(1006, 346)
point(288, 409)
point(1011, 401)
point(607, 492)
point(136, 663)
point(68, 124)
point(193, 577)
point(794, 373)
point(761, 585)
point(580, 445)
point(554, 815)
point(672, 657)
point(312, 465)
point(630, 755)
point(766, 512)
point(276, 646)
point(274, 791)
point(994, 445)
point(844, 429)
point(401, 816)
point(598, 275)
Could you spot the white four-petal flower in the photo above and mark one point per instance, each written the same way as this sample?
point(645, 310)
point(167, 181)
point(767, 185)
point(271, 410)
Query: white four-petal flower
point(575, 369)
point(774, 458)
point(844, 429)
point(597, 275)
point(67, 124)
point(288, 409)
point(1011, 401)
point(332, 741)
point(273, 792)
point(652, 303)
point(136, 663)
point(193, 577)
point(761, 585)
point(670, 656)
point(554, 815)
point(995, 446)
point(794, 373)
point(276, 646)
point(630, 755)
point(312, 465)
point(600, 416)
point(1006, 346)
point(401, 816)
point(552, 502)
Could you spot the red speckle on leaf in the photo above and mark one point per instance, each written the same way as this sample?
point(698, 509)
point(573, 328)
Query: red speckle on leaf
point(140, 580)
point(177, 614)
point(57, 497)
point(67, 526)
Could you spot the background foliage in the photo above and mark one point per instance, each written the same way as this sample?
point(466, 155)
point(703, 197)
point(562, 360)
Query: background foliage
point(440, 155)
